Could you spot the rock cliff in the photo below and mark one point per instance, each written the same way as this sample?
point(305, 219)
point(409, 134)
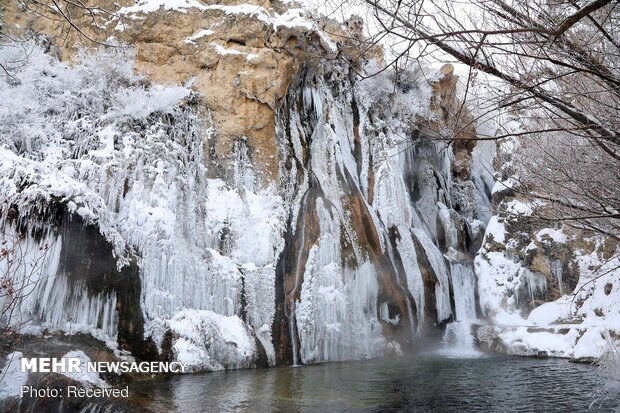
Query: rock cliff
point(220, 188)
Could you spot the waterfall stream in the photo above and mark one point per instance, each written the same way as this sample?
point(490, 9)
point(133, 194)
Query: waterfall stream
point(458, 338)
point(299, 267)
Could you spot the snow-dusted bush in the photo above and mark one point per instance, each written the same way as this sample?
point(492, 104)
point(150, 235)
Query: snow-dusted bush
point(129, 156)
point(405, 95)
point(47, 101)
point(608, 394)
point(60, 124)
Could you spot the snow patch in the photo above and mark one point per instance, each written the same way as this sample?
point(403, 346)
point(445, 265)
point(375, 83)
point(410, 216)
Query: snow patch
point(207, 341)
point(87, 378)
point(198, 35)
point(551, 234)
point(11, 377)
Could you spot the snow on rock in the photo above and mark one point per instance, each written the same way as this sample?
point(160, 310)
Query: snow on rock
point(496, 230)
point(501, 186)
point(85, 377)
point(574, 325)
point(498, 275)
point(131, 161)
point(591, 344)
point(292, 18)
point(198, 35)
point(149, 6)
point(551, 234)
point(224, 51)
point(11, 376)
point(527, 342)
point(207, 341)
point(516, 207)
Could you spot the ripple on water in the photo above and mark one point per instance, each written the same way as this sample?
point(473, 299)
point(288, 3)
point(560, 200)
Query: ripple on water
point(431, 382)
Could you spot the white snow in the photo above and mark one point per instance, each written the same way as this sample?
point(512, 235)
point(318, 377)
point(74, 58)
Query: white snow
point(11, 376)
point(516, 207)
point(548, 233)
point(139, 103)
point(496, 230)
point(501, 186)
point(87, 378)
point(210, 341)
point(198, 35)
point(523, 342)
point(149, 6)
point(224, 51)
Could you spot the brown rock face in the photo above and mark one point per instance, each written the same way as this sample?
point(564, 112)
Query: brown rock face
point(229, 61)
point(236, 58)
point(454, 117)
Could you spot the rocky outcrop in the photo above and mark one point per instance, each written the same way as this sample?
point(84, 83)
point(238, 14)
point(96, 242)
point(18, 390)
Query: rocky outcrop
point(249, 201)
point(239, 56)
point(544, 291)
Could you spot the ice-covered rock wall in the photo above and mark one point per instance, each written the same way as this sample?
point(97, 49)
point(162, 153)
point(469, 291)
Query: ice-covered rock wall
point(129, 162)
point(545, 287)
point(330, 225)
point(375, 253)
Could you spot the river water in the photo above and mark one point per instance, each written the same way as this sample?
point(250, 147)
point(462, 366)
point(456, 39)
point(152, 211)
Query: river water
point(421, 383)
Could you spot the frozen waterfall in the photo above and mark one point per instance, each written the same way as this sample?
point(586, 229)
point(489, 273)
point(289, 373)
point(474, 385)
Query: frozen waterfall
point(458, 338)
point(340, 258)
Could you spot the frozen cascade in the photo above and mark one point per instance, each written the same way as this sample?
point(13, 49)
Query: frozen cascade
point(393, 206)
point(299, 266)
point(437, 261)
point(557, 271)
point(406, 250)
point(142, 179)
point(458, 338)
point(463, 284)
point(450, 231)
point(207, 233)
point(45, 298)
point(337, 316)
point(408, 303)
point(337, 312)
point(535, 284)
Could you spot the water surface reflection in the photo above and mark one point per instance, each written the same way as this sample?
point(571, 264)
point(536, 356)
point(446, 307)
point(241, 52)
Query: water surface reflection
point(421, 384)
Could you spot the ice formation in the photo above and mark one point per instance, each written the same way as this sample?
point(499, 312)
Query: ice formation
point(362, 244)
point(207, 244)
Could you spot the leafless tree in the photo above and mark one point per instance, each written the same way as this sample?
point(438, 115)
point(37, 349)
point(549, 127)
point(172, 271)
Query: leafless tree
point(85, 20)
point(607, 395)
point(550, 66)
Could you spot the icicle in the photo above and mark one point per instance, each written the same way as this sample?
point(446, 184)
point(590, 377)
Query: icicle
point(337, 312)
point(300, 266)
point(46, 298)
point(463, 285)
point(557, 271)
point(436, 259)
point(458, 339)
